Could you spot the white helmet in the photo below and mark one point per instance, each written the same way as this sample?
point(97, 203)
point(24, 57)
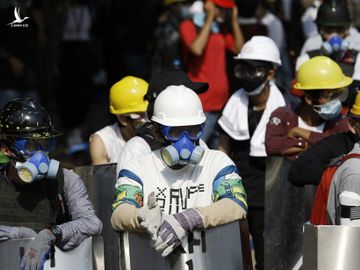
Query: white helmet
point(177, 106)
point(260, 48)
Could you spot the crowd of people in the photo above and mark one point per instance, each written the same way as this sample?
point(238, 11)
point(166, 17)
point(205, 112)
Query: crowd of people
point(244, 103)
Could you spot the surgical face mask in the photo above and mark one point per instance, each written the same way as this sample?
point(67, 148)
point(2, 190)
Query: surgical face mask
point(199, 20)
point(329, 110)
point(335, 43)
point(183, 149)
point(37, 166)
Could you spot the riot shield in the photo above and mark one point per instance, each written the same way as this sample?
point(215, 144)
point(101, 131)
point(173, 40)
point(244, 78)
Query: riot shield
point(100, 182)
point(216, 248)
point(331, 247)
point(284, 216)
point(81, 258)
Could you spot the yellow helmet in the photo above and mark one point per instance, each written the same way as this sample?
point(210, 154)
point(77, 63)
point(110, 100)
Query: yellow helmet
point(355, 109)
point(321, 73)
point(127, 96)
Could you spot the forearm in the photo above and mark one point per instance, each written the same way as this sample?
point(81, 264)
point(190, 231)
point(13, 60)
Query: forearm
point(124, 218)
point(75, 231)
point(198, 45)
point(221, 212)
point(276, 145)
point(238, 36)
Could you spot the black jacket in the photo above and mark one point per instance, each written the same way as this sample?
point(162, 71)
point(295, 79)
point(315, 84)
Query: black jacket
point(309, 166)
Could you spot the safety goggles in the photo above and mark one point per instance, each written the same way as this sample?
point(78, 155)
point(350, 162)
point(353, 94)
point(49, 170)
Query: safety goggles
point(137, 119)
point(246, 72)
point(327, 96)
point(30, 146)
point(175, 133)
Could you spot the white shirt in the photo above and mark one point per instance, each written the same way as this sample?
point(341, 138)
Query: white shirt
point(113, 141)
point(177, 190)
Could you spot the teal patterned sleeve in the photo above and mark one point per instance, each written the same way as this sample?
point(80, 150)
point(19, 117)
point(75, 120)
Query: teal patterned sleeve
point(128, 190)
point(228, 184)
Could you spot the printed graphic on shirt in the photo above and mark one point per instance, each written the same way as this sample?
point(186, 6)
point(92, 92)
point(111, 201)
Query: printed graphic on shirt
point(128, 194)
point(177, 199)
point(275, 121)
point(230, 186)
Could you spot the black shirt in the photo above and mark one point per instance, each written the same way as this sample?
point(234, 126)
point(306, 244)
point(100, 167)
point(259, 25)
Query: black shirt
point(251, 169)
point(308, 168)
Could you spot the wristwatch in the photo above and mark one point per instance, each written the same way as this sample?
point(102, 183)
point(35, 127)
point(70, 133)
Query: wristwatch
point(57, 232)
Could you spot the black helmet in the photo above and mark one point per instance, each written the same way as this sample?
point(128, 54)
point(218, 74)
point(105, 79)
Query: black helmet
point(333, 13)
point(25, 118)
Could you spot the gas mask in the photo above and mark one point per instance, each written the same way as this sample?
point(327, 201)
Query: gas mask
point(37, 164)
point(334, 44)
point(183, 148)
point(251, 78)
point(329, 110)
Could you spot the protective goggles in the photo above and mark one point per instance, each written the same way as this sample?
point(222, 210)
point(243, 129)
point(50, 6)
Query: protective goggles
point(138, 119)
point(175, 133)
point(246, 72)
point(30, 146)
point(340, 94)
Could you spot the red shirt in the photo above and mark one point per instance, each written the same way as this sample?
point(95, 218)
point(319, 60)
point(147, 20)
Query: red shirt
point(210, 67)
point(282, 120)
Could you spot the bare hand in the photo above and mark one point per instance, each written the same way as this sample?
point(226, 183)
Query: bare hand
point(209, 8)
point(298, 132)
point(17, 66)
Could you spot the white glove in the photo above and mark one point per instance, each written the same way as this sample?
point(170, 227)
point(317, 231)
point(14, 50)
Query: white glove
point(149, 216)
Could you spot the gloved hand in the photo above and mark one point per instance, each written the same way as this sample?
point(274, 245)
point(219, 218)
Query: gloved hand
point(8, 232)
point(174, 228)
point(149, 216)
point(35, 255)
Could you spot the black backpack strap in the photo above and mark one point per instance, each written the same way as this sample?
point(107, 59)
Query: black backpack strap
point(57, 198)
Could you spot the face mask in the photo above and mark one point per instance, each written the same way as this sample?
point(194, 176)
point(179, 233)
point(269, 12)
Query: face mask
point(253, 87)
point(329, 110)
point(199, 21)
point(183, 149)
point(37, 166)
point(334, 44)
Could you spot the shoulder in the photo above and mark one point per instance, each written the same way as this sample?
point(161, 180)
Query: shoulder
point(282, 112)
point(216, 160)
point(136, 147)
point(110, 129)
point(186, 25)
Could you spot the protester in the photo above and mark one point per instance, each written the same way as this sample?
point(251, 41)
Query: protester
point(128, 105)
point(166, 173)
point(39, 198)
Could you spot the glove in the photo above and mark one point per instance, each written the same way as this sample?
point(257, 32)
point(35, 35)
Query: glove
point(149, 216)
point(7, 232)
point(35, 255)
point(174, 228)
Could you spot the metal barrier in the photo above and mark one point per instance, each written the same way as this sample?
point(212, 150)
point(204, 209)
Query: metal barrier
point(84, 257)
point(100, 182)
point(331, 248)
point(217, 248)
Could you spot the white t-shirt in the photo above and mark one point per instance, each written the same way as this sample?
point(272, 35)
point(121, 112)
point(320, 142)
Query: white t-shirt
point(214, 178)
point(113, 141)
point(319, 128)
